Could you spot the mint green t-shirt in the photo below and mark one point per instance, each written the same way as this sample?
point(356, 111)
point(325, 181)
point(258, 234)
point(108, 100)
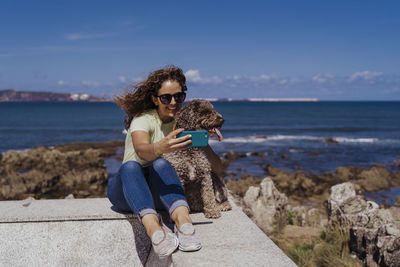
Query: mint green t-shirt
point(151, 123)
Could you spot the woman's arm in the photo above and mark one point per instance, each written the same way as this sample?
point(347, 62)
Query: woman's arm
point(149, 152)
point(216, 164)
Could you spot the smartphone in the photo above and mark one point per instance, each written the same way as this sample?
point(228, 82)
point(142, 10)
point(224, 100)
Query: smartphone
point(199, 138)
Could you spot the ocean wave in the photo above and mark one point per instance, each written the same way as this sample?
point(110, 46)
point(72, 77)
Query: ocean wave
point(283, 138)
point(240, 139)
point(356, 140)
point(295, 137)
point(263, 139)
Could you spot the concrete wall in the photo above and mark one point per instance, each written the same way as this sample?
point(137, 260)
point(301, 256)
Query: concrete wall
point(87, 232)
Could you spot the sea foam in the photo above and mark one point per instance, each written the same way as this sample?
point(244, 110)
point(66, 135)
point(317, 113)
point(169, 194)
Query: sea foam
point(283, 138)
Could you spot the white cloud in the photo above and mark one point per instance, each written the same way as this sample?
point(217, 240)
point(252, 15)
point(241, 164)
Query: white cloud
point(264, 77)
point(267, 77)
point(122, 79)
point(91, 83)
point(283, 81)
point(61, 82)
point(213, 79)
point(193, 76)
point(322, 78)
point(365, 75)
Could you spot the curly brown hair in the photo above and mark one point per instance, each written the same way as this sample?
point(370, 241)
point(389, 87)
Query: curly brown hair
point(139, 100)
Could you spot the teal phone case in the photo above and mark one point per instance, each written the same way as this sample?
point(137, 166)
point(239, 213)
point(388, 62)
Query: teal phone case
point(199, 138)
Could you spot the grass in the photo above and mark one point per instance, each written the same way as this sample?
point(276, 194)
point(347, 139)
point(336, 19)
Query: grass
point(291, 218)
point(330, 250)
point(301, 255)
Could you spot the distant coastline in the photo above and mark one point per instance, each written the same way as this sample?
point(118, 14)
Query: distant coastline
point(12, 95)
point(254, 99)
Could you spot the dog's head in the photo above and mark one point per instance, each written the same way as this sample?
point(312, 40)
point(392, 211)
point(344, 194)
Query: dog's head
point(199, 115)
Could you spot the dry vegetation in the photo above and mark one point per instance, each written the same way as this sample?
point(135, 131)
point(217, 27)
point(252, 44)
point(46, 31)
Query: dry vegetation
point(306, 248)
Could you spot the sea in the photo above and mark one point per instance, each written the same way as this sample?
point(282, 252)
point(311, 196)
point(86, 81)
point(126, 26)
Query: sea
point(288, 135)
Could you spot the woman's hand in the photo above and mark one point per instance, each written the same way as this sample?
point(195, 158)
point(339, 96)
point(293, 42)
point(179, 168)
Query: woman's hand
point(149, 152)
point(171, 144)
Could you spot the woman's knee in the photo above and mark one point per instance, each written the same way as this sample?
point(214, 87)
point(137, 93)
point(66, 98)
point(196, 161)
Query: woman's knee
point(129, 167)
point(161, 164)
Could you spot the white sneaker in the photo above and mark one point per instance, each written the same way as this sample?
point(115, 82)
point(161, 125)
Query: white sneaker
point(188, 240)
point(164, 242)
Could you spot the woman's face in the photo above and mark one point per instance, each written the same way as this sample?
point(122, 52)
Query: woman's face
point(168, 111)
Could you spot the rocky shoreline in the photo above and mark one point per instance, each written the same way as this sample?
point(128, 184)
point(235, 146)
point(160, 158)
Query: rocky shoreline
point(44, 173)
point(293, 208)
point(297, 209)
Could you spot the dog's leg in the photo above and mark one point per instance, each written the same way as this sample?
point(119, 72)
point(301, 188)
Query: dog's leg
point(221, 193)
point(220, 190)
point(224, 206)
point(207, 194)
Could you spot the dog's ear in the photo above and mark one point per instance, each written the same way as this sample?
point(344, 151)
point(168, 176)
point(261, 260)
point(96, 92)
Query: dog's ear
point(186, 118)
point(180, 118)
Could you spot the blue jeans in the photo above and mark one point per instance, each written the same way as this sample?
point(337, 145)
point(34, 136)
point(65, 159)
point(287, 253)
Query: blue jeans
point(145, 189)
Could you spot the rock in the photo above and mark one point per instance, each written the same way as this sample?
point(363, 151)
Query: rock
point(331, 141)
point(257, 154)
point(339, 194)
point(26, 202)
point(106, 149)
point(343, 174)
point(50, 173)
point(395, 210)
point(314, 153)
point(266, 206)
point(375, 179)
point(251, 196)
point(314, 188)
point(299, 186)
point(308, 216)
point(233, 155)
point(374, 235)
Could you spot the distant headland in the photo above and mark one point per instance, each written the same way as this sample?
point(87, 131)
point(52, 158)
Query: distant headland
point(254, 99)
point(12, 95)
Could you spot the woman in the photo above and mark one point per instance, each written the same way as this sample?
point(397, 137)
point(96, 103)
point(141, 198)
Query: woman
point(145, 181)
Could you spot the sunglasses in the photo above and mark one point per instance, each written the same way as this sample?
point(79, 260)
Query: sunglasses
point(166, 99)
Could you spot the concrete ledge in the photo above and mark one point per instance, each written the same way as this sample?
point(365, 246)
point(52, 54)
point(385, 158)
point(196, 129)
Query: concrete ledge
point(86, 232)
point(47, 210)
point(232, 240)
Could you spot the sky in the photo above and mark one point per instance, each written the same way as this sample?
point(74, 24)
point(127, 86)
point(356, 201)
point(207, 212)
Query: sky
point(330, 50)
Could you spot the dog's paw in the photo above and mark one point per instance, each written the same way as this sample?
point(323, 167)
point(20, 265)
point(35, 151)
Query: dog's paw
point(212, 213)
point(225, 206)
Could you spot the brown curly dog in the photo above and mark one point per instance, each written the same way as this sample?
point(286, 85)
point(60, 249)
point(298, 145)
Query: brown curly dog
point(204, 190)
